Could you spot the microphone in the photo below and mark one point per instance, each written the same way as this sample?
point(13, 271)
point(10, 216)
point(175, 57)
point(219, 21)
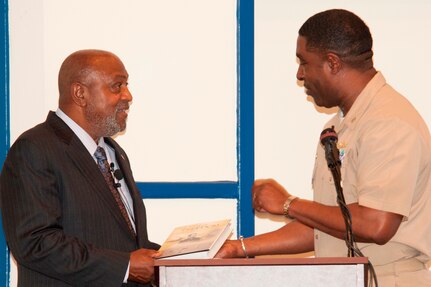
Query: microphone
point(117, 174)
point(329, 138)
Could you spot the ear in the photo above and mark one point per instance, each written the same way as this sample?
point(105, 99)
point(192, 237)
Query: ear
point(78, 91)
point(334, 62)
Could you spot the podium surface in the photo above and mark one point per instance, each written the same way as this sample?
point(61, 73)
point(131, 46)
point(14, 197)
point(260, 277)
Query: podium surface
point(290, 272)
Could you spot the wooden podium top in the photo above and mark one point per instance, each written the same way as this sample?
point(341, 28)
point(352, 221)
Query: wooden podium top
point(262, 261)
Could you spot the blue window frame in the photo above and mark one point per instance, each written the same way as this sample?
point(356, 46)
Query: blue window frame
point(239, 190)
point(4, 126)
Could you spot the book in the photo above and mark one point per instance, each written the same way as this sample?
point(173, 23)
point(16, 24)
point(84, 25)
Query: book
point(196, 241)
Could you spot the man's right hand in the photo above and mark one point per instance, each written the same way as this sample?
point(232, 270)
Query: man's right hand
point(142, 265)
point(230, 249)
point(268, 196)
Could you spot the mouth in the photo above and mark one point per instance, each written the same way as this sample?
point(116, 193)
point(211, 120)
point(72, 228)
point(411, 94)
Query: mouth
point(123, 111)
point(307, 89)
point(123, 108)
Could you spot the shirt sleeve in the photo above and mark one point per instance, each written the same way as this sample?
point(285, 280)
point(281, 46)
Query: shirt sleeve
point(127, 274)
point(388, 161)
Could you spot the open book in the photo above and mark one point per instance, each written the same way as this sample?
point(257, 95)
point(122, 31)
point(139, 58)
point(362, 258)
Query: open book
point(196, 241)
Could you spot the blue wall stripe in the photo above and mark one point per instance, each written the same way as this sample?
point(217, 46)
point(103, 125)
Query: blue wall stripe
point(188, 189)
point(4, 126)
point(245, 106)
point(4, 84)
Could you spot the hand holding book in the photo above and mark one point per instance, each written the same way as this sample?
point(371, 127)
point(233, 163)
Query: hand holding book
point(201, 240)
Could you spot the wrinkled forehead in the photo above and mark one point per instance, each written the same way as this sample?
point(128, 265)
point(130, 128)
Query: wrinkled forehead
point(108, 66)
point(303, 50)
point(300, 44)
point(301, 47)
point(108, 62)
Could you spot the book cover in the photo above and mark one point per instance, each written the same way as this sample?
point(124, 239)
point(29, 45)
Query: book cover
point(196, 241)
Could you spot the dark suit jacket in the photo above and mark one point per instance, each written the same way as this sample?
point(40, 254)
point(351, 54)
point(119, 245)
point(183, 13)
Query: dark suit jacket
point(60, 220)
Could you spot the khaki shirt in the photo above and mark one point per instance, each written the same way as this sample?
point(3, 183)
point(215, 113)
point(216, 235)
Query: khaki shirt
point(385, 149)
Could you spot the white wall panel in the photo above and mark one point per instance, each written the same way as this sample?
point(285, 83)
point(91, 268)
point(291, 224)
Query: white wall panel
point(181, 57)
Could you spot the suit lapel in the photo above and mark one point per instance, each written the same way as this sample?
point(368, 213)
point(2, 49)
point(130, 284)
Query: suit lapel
point(124, 165)
point(85, 163)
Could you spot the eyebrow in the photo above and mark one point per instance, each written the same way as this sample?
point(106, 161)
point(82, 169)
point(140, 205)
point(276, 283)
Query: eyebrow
point(125, 77)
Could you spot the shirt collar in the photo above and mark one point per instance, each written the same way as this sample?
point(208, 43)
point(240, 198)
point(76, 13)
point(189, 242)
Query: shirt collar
point(83, 136)
point(362, 102)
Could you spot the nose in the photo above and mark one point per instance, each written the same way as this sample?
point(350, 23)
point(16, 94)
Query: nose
point(126, 94)
point(300, 73)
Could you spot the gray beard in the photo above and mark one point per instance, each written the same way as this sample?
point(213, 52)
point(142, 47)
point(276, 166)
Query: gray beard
point(103, 126)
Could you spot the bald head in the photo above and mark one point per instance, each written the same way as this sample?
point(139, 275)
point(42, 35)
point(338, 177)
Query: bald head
point(78, 67)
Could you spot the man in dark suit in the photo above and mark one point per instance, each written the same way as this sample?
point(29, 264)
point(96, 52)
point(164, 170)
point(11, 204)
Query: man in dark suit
point(61, 220)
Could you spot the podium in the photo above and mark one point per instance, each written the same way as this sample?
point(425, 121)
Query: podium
point(286, 272)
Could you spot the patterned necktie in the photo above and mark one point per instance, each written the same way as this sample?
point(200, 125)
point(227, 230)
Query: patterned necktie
point(104, 168)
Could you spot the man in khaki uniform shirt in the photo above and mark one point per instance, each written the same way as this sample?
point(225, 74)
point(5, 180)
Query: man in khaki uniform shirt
point(385, 150)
